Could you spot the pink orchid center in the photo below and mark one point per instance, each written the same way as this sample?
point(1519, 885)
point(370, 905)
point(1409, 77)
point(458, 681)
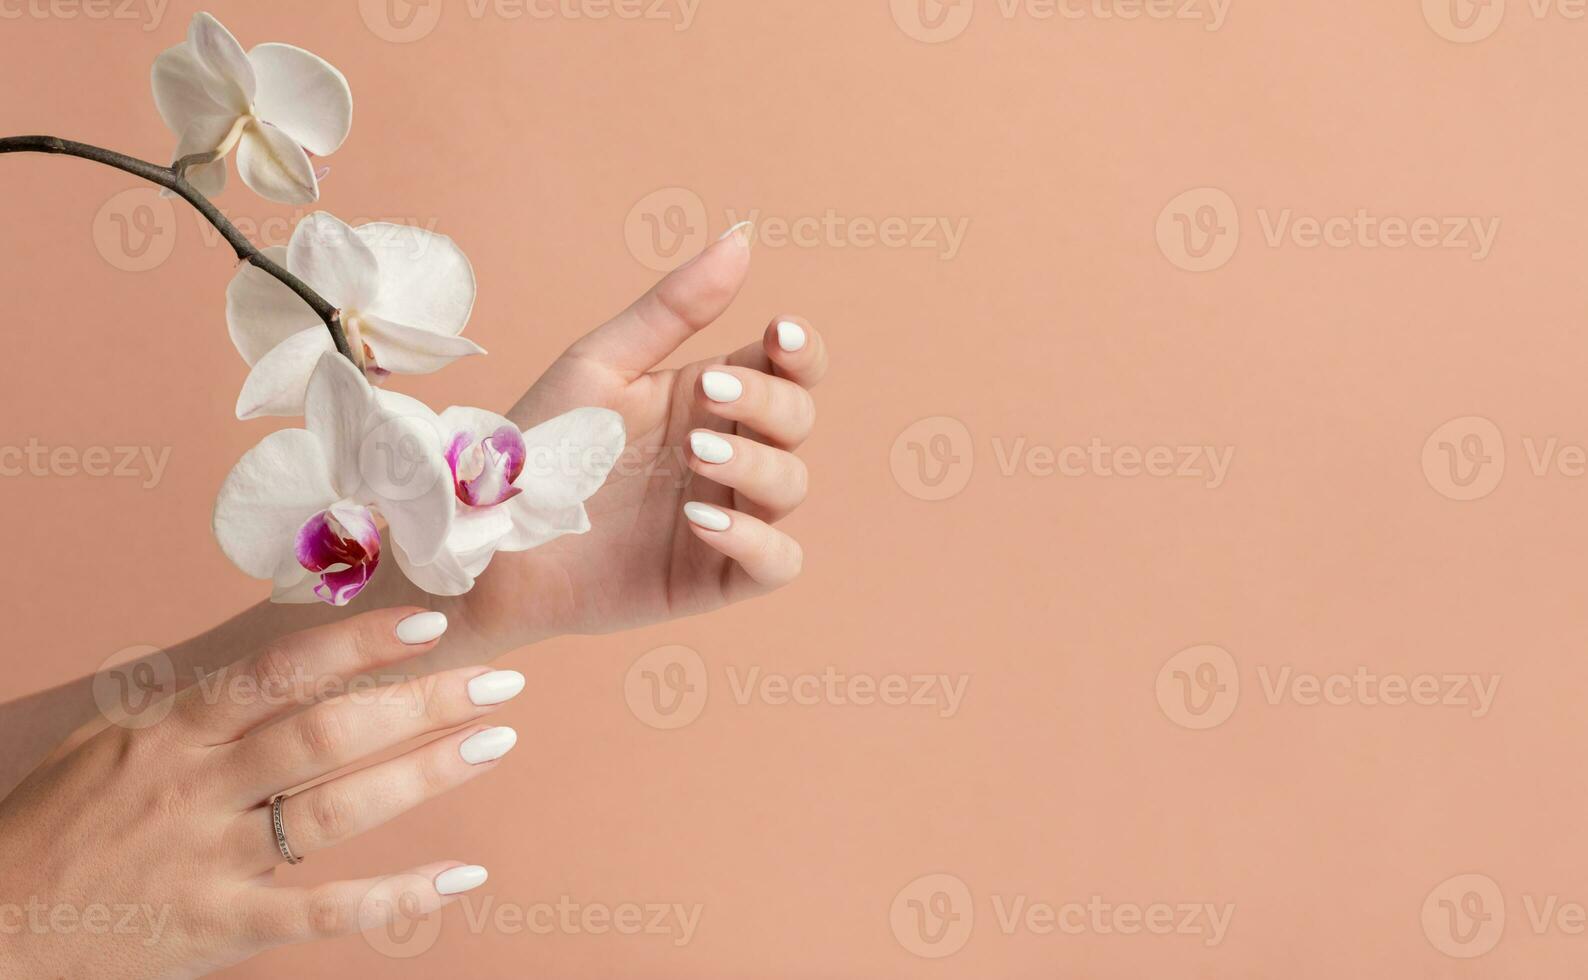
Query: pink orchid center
point(342, 545)
point(483, 470)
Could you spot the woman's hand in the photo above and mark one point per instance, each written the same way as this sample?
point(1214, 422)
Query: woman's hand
point(735, 420)
point(147, 851)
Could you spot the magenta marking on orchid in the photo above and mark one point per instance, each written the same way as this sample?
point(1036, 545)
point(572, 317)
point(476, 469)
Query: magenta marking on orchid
point(483, 472)
point(342, 546)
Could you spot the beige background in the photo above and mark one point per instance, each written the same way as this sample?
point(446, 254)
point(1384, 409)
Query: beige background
point(1073, 767)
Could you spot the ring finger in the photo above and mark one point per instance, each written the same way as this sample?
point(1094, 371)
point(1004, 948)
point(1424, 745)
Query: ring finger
point(331, 812)
point(771, 482)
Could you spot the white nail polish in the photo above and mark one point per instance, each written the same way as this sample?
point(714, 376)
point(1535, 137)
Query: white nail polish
point(743, 226)
point(488, 746)
point(495, 687)
point(707, 517)
point(721, 386)
point(421, 627)
point(454, 881)
point(710, 448)
point(790, 336)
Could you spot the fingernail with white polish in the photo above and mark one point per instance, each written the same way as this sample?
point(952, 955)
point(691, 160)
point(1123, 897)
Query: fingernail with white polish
point(421, 627)
point(709, 448)
point(495, 687)
point(790, 336)
point(742, 229)
point(707, 517)
point(454, 881)
point(488, 746)
point(721, 386)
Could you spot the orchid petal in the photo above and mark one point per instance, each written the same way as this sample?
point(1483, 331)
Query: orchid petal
point(470, 546)
point(275, 167)
point(444, 576)
point(230, 80)
point(342, 546)
point(402, 349)
point(303, 95)
point(570, 456)
point(261, 312)
point(534, 526)
point(405, 474)
point(329, 256)
point(483, 470)
point(336, 408)
point(277, 486)
point(425, 279)
point(279, 381)
point(179, 93)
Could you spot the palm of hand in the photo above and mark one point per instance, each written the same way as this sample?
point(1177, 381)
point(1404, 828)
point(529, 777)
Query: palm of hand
point(642, 562)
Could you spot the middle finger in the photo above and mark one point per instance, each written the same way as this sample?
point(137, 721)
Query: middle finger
point(343, 730)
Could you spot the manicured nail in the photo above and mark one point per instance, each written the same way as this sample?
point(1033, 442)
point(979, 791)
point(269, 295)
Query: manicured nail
point(707, 517)
point(710, 448)
point(790, 336)
point(421, 627)
point(739, 232)
point(721, 386)
point(456, 880)
point(488, 746)
point(495, 687)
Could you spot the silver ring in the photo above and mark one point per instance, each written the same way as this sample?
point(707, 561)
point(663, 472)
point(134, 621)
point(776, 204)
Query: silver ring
point(281, 829)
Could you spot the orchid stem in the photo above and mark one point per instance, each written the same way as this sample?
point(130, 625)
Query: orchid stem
point(174, 179)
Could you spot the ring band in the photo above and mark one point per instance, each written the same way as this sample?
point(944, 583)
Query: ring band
point(281, 829)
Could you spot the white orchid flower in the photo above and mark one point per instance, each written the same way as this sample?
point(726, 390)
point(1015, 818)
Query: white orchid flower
point(300, 508)
point(272, 103)
point(513, 490)
point(404, 292)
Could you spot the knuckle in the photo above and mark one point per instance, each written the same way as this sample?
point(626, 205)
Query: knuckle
point(320, 732)
point(325, 914)
point(275, 670)
point(331, 813)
